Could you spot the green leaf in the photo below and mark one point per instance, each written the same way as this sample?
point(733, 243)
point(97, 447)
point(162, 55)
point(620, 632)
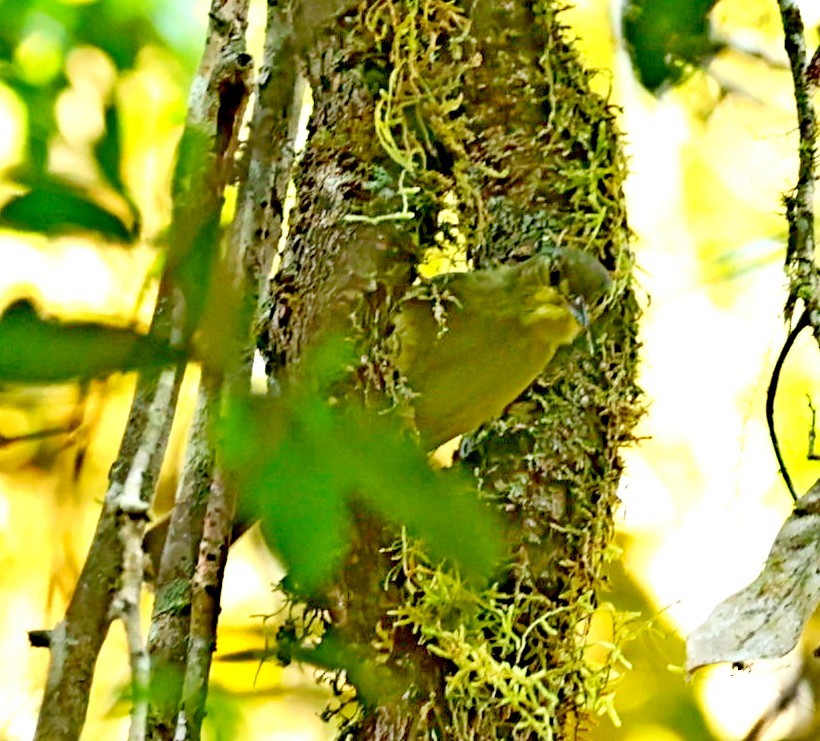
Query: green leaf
point(440, 507)
point(33, 350)
point(666, 37)
point(58, 208)
point(302, 463)
point(283, 481)
point(305, 517)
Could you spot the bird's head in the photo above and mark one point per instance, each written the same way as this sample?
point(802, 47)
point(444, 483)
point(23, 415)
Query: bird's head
point(566, 273)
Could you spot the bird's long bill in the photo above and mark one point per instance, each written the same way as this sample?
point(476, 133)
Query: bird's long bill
point(578, 307)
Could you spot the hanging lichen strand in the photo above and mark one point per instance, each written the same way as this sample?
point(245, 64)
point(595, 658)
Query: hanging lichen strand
point(419, 115)
point(500, 113)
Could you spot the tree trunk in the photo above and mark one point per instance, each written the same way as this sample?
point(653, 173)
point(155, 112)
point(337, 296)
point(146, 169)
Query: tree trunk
point(486, 109)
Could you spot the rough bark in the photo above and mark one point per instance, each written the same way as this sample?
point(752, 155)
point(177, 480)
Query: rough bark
point(487, 102)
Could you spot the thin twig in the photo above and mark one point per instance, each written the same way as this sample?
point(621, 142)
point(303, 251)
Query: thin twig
point(803, 277)
point(126, 606)
point(268, 164)
point(215, 111)
point(812, 456)
point(206, 594)
point(771, 392)
point(253, 241)
point(77, 640)
point(171, 617)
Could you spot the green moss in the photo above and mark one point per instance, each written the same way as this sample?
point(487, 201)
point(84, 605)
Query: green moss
point(174, 598)
point(506, 133)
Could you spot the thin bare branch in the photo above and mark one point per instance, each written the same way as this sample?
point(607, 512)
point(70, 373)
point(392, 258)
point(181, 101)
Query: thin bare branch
point(804, 281)
point(126, 607)
point(771, 393)
point(257, 226)
point(171, 618)
point(254, 237)
point(218, 99)
point(803, 276)
point(76, 642)
point(206, 593)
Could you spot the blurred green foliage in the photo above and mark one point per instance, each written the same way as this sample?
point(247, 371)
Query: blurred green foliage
point(223, 721)
point(303, 465)
point(36, 39)
point(374, 682)
point(54, 207)
point(35, 350)
point(665, 38)
point(653, 693)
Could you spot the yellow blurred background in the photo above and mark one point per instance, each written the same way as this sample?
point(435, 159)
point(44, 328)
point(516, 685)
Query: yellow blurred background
point(702, 497)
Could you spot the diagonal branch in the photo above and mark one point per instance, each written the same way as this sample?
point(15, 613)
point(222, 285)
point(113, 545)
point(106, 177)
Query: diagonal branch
point(77, 640)
point(183, 631)
point(106, 587)
point(804, 279)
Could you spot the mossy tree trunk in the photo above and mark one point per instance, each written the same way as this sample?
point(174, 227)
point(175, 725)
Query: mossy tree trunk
point(484, 110)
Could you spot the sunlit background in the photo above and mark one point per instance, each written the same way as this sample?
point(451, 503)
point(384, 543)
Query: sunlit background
point(702, 498)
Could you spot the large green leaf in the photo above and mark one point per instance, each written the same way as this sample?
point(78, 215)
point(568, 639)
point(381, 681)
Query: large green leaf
point(302, 463)
point(665, 38)
point(55, 208)
point(33, 350)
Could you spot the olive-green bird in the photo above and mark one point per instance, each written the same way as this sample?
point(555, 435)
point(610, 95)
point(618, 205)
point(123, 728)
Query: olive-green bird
point(500, 328)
